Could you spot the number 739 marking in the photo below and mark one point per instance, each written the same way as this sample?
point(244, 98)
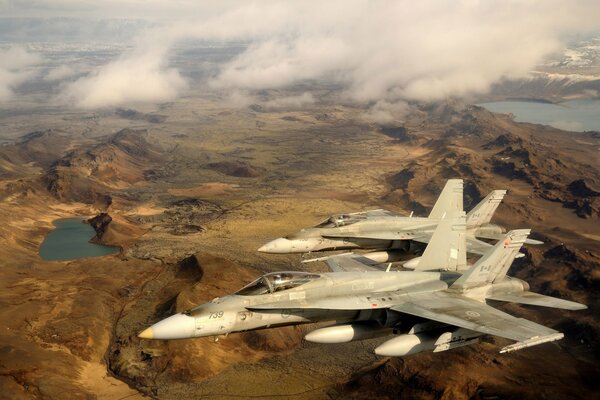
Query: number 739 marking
point(215, 315)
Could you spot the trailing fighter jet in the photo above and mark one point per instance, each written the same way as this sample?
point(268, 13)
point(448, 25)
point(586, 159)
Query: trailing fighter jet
point(434, 307)
point(395, 236)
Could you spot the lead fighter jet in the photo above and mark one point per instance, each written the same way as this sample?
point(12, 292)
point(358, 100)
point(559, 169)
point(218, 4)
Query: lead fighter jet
point(393, 235)
point(434, 307)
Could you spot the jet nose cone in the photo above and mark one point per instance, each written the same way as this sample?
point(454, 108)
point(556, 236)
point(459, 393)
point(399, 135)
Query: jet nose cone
point(178, 326)
point(264, 248)
point(146, 334)
point(277, 246)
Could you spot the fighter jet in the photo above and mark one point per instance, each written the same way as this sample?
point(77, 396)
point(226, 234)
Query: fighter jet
point(395, 236)
point(434, 307)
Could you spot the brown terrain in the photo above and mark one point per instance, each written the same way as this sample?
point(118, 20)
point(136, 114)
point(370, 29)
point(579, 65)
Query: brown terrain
point(189, 194)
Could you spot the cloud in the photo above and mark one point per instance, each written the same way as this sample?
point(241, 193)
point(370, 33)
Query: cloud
point(240, 99)
point(290, 102)
point(140, 76)
point(373, 51)
point(62, 71)
point(15, 68)
point(403, 50)
point(384, 112)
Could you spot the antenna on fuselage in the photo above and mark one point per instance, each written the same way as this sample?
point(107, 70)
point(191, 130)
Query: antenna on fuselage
point(388, 267)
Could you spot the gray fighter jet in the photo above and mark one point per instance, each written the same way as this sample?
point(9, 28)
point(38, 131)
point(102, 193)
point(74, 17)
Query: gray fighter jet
point(395, 236)
point(434, 307)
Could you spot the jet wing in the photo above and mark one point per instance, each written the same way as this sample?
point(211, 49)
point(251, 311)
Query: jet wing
point(536, 299)
point(471, 314)
point(331, 303)
point(384, 235)
point(380, 213)
point(351, 263)
point(371, 301)
point(474, 245)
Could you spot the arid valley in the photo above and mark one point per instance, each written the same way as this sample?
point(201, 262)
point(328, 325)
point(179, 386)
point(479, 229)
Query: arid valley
point(188, 144)
point(190, 198)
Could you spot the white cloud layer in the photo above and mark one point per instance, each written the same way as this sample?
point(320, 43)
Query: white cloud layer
point(404, 50)
point(290, 102)
point(15, 68)
point(378, 51)
point(61, 72)
point(385, 112)
point(140, 76)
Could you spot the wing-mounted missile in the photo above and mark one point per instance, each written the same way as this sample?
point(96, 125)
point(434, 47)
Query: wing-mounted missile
point(532, 342)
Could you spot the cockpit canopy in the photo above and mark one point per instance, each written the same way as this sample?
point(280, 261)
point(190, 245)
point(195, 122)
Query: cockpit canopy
point(341, 220)
point(275, 282)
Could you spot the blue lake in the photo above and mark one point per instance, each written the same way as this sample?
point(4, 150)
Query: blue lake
point(69, 241)
point(575, 115)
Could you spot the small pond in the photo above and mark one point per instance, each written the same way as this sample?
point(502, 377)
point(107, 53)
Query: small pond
point(70, 240)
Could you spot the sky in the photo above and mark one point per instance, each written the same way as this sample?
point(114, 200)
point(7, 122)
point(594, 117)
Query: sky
point(382, 53)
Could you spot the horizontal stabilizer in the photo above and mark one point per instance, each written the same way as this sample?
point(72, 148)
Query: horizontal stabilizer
point(499, 236)
point(532, 342)
point(536, 299)
point(491, 236)
point(350, 262)
point(474, 245)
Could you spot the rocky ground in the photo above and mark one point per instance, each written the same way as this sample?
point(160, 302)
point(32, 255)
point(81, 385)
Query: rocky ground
point(191, 194)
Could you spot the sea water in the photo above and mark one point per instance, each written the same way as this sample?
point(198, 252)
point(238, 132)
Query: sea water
point(574, 115)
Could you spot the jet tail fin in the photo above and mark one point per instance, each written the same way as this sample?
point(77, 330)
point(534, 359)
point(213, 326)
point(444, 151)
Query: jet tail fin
point(482, 213)
point(450, 202)
point(447, 248)
point(493, 265)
